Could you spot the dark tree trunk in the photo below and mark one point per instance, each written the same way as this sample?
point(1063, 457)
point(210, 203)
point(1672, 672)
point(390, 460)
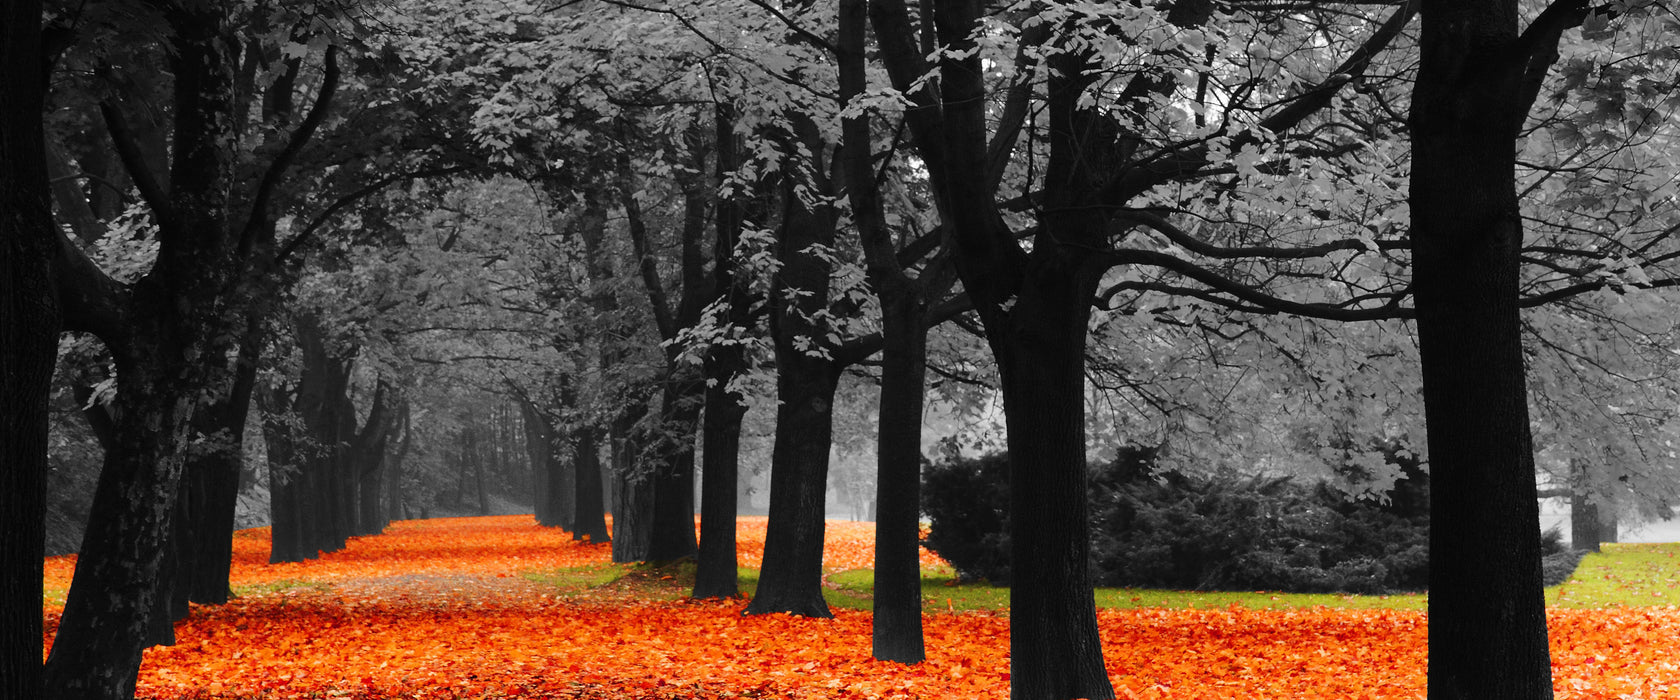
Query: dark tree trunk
point(478, 478)
point(176, 324)
point(632, 491)
point(1584, 524)
point(716, 572)
point(717, 567)
point(308, 498)
point(898, 581)
point(591, 516)
point(898, 566)
point(539, 448)
point(791, 579)
point(1487, 621)
point(672, 535)
point(212, 479)
point(368, 458)
point(395, 506)
point(30, 319)
point(1055, 651)
point(286, 483)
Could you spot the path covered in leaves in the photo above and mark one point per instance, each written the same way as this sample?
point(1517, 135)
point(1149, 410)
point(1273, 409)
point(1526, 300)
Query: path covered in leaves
point(438, 609)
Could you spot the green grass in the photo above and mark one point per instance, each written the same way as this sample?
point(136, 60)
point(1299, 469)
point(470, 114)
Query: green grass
point(1628, 575)
point(580, 578)
point(1631, 575)
point(281, 586)
point(1623, 575)
point(942, 593)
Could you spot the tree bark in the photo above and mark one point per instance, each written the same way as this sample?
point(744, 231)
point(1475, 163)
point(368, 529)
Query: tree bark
point(213, 479)
point(806, 379)
point(31, 318)
point(791, 578)
point(897, 632)
point(591, 506)
point(1487, 622)
point(717, 567)
point(1584, 521)
point(672, 535)
point(632, 529)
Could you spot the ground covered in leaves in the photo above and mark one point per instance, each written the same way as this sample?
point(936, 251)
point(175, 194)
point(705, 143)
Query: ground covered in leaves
point(490, 608)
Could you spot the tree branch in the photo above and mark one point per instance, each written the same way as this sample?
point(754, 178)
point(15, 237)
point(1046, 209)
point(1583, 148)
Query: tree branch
point(1195, 245)
point(1190, 162)
point(321, 219)
point(283, 161)
point(134, 161)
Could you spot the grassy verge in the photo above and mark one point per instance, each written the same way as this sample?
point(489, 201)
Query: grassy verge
point(281, 586)
point(1629, 575)
point(1623, 575)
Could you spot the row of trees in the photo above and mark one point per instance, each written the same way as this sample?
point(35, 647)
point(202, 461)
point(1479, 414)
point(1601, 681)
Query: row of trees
point(1152, 222)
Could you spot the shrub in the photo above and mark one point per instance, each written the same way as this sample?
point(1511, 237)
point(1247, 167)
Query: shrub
point(966, 502)
point(1218, 532)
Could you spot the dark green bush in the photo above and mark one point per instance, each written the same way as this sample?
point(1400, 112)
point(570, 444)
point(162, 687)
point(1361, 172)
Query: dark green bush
point(967, 503)
point(1218, 532)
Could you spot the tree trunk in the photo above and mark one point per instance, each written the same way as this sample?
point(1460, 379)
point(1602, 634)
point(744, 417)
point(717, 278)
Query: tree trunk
point(716, 572)
point(1487, 622)
point(806, 378)
point(478, 477)
point(539, 448)
point(286, 484)
point(898, 579)
point(212, 479)
point(632, 491)
point(30, 317)
point(395, 506)
point(672, 537)
point(791, 580)
point(591, 516)
point(717, 567)
point(1584, 520)
point(1055, 651)
point(308, 510)
point(898, 566)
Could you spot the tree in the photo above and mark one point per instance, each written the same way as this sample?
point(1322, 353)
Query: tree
point(170, 333)
point(1477, 80)
point(30, 315)
point(1035, 301)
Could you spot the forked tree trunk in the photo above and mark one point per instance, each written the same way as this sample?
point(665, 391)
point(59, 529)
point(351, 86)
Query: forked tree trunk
point(1487, 614)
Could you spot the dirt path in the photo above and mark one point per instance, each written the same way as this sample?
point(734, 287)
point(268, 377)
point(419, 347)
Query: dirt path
point(449, 589)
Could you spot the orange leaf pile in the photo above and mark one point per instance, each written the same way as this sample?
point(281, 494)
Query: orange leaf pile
point(447, 629)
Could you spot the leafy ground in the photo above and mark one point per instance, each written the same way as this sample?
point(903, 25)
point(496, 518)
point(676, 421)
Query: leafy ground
point(491, 608)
